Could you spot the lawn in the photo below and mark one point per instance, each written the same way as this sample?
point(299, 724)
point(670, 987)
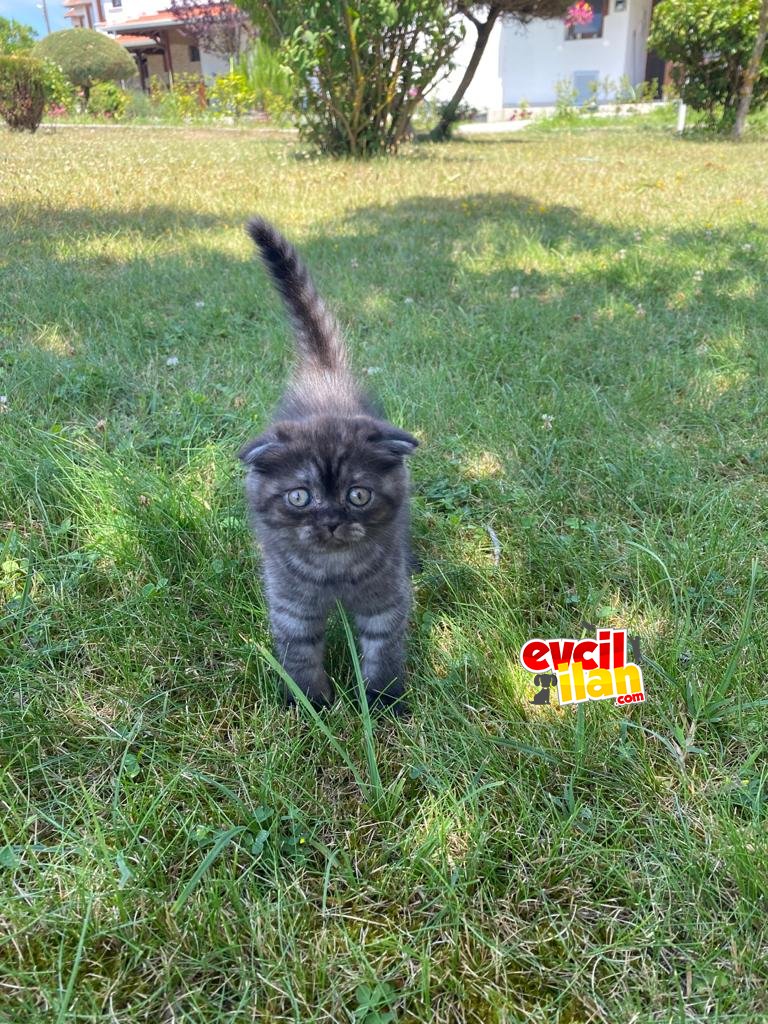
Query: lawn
point(574, 324)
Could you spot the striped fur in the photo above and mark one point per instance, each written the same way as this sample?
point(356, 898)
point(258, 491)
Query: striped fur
point(327, 441)
point(317, 334)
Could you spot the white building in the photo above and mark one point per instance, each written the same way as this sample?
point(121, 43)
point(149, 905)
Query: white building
point(152, 34)
point(525, 62)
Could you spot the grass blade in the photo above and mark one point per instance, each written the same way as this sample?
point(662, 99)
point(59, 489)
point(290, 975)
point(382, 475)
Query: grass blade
point(303, 701)
point(377, 789)
point(61, 1016)
point(224, 840)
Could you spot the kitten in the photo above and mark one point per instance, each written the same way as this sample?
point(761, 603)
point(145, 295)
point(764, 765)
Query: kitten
point(327, 490)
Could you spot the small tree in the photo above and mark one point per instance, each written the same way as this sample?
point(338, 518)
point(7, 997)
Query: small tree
point(710, 43)
point(219, 28)
point(22, 92)
point(86, 57)
point(484, 17)
point(753, 70)
point(359, 71)
point(15, 37)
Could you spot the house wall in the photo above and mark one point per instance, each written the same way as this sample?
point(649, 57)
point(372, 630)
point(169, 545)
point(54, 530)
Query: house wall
point(485, 91)
point(535, 57)
point(526, 61)
point(131, 9)
point(212, 65)
point(637, 40)
point(156, 67)
point(180, 62)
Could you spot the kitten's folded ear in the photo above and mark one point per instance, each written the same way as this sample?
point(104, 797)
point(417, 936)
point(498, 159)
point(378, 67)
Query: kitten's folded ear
point(260, 452)
point(393, 440)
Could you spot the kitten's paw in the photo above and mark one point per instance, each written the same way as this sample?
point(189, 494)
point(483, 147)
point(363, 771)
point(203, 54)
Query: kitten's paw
point(390, 698)
point(319, 692)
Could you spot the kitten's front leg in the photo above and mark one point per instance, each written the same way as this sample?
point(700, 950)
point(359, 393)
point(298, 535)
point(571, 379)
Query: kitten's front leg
point(298, 633)
point(382, 641)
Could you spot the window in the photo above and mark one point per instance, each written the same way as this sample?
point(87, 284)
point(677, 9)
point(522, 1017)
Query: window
point(593, 28)
point(194, 54)
point(117, 3)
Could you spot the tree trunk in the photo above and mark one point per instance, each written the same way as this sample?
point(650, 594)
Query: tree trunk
point(443, 129)
point(753, 69)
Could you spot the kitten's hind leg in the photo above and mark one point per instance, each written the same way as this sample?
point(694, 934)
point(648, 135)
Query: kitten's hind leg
point(299, 639)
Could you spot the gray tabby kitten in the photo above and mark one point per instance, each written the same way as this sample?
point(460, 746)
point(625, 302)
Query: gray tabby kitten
point(327, 490)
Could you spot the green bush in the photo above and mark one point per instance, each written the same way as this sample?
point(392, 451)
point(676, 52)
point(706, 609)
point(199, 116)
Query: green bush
point(107, 100)
point(359, 71)
point(86, 57)
point(269, 79)
point(22, 92)
point(232, 95)
point(186, 101)
point(710, 43)
point(565, 98)
point(138, 105)
point(60, 94)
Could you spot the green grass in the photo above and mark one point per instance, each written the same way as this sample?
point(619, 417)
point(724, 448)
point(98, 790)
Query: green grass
point(174, 846)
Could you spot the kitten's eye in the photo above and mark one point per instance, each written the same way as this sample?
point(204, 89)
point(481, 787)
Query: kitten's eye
point(299, 498)
point(359, 496)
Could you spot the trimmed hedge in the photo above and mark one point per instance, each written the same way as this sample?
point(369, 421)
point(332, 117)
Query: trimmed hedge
point(22, 92)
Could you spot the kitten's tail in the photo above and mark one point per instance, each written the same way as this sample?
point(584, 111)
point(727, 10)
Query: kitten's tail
point(318, 337)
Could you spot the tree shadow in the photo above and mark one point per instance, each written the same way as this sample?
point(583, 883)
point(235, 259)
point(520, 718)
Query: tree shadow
point(510, 311)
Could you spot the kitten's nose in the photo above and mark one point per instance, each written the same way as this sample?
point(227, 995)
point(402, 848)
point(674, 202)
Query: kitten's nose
point(333, 526)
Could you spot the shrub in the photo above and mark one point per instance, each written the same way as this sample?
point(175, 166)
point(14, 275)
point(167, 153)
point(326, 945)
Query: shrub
point(269, 79)
point(22, 92)
point(184, 102)
point(710, 43)
point(232, 95)
point(565, 98)
point(359, 71)
point(59, 92)
point(86, 57)
point(138, 105)
point(107, 100)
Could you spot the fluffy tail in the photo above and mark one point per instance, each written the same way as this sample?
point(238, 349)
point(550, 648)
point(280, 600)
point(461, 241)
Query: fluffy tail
point(318, 337)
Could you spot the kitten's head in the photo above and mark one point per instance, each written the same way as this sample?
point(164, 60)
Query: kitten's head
point(328, 482)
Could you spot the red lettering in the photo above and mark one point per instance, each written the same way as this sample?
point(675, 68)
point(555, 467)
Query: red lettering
point(532, 656)
point(630, 698)
point(580, 651)
point(604, 638)
point(561, 651)
point(619, 648)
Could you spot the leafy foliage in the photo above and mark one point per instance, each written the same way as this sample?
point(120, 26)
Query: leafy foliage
point(232, 94)
point(22, 92)
point(107, 100)
point(710, 43)
point(269, 78)
point(15, 37)
point(186, 101)
point(86, 57)
point(60, 94)
point(359, 72)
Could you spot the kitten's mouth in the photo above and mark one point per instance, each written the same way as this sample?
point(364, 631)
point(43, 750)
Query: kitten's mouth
point(345, 536)
point(334, 543)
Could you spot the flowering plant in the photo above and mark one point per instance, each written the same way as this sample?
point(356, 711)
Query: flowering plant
point(580, 13)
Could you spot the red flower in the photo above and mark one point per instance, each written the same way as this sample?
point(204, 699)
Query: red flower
point(580, 13)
